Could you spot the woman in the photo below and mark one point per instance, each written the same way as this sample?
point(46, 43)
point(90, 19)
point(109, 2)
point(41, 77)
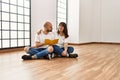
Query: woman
point(62, 48)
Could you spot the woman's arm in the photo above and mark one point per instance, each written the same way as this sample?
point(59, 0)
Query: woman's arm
point(65, 46)
point(64, 53)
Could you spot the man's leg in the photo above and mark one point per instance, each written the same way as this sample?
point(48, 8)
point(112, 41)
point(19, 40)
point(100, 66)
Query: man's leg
point(32, 51)
point(40, 54)
point(43, 52)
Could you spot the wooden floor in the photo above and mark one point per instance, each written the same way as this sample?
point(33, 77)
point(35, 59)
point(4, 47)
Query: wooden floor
point(95, 62)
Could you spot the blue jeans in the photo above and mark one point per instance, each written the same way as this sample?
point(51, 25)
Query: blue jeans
point(59, 50)
point(38, 52)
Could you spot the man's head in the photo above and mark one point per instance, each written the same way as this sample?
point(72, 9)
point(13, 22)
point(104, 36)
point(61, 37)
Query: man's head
point(48, 27)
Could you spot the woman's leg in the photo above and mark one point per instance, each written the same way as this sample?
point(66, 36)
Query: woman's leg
point(70, 50)
point(57, 50)
point(60, 51)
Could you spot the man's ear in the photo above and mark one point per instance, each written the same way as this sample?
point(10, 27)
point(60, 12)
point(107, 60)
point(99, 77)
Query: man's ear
point(39, 31)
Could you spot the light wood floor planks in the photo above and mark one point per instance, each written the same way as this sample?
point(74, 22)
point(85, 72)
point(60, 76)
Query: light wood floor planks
point(95, 62)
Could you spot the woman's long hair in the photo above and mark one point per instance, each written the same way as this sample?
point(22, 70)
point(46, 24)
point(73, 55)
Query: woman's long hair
point(65, 31)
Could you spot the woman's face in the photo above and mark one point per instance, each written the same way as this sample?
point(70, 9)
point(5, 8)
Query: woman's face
point(61, 28)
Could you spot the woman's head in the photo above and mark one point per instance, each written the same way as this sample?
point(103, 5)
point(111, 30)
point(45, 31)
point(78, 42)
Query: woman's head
point(63, 29)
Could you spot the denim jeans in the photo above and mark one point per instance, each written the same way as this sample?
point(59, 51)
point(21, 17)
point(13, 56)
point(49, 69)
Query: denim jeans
point(59, 50)
point(38, 52)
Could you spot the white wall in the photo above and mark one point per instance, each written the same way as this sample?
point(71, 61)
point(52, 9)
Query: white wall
point(80, 13)
point(73, 20)
point(110, 21)
point(86, 14)
point(96, 21)
point(99, 21)
point(88, 20)
point(41, 11)
point(106, 21)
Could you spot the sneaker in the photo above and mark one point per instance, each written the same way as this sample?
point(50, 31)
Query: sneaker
point(73, 55)
point(26, 57)
point(52, 55)
point(48, 56)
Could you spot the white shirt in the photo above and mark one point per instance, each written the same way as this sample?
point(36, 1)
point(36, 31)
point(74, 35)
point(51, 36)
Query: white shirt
point(41, 38)
point(62, 40)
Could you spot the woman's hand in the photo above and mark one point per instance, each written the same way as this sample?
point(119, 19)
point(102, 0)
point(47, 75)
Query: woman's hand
point(39, 32)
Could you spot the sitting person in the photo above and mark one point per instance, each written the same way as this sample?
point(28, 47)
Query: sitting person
point(40, 49)
point(62, 49)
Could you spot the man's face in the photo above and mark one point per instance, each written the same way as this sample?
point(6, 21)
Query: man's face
point(49, 27)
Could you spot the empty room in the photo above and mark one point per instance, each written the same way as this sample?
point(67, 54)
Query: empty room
point(60, 39)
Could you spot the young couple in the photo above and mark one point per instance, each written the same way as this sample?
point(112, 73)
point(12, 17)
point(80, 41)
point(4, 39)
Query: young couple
point(40, 49)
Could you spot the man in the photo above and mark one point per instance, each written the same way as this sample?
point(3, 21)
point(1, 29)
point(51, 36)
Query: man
point(40, 49)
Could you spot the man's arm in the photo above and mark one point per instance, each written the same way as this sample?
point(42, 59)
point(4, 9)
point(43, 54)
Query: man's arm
point(38, 44)
point(37, 41)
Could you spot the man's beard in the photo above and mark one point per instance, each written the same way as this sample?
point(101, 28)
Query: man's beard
point(49, 30)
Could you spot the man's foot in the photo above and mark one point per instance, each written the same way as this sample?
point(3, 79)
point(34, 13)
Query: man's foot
point(48, 56)
point(53, 55)
point(73, 55)
point(26, 57)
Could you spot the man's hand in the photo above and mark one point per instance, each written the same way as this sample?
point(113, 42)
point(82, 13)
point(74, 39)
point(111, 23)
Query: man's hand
point(38, 44)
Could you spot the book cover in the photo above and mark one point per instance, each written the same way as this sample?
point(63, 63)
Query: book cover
point(51, 42)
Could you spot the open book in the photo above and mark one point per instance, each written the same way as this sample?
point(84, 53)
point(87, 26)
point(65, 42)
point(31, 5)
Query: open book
point(51, 42)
